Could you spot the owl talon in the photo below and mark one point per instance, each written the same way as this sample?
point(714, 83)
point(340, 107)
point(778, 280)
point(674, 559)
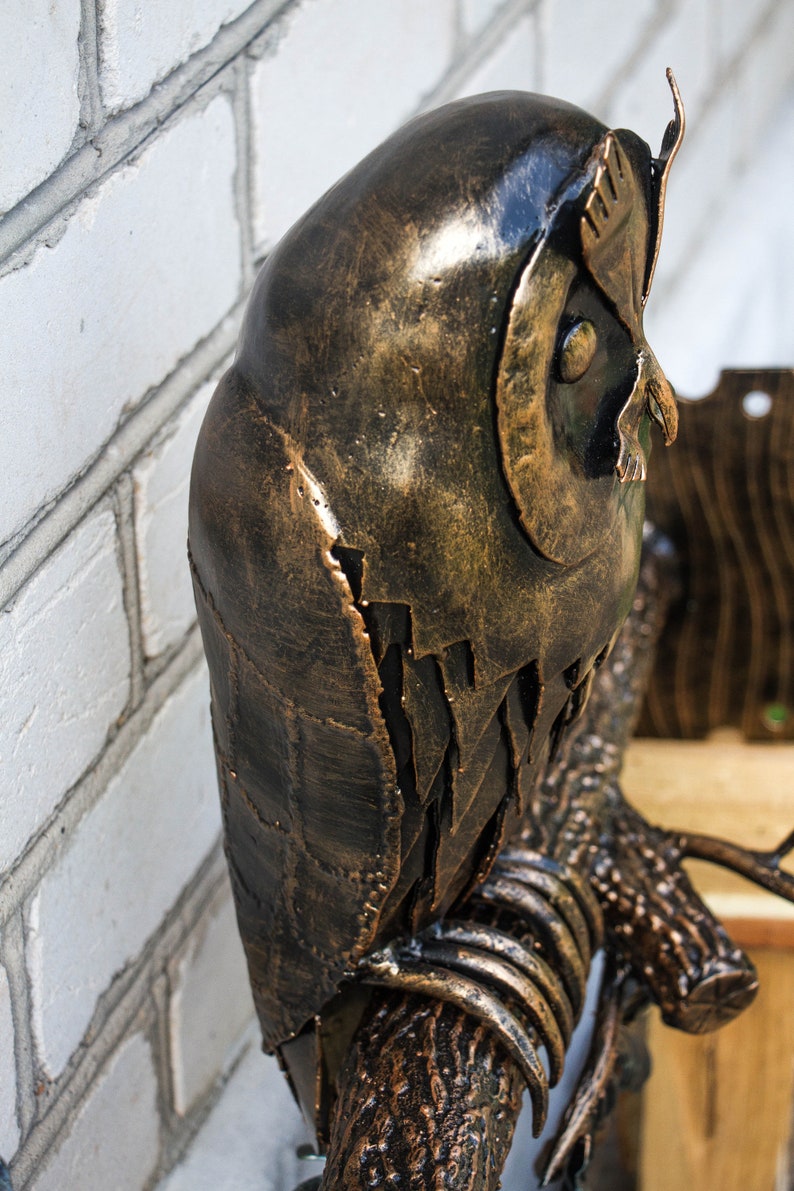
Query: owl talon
point(529, 996)
point(503, 946)
point(398, 968)
point(558, 896)
point(572, 882)
point(469, 961)
point(552, 934)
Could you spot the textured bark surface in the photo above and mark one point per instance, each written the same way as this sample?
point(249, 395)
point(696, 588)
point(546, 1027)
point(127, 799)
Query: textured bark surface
point(425, 1091)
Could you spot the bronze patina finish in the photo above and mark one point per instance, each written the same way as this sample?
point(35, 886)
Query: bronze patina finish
point(415, 531)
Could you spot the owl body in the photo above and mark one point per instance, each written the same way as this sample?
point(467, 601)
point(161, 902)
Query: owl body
point(409, 541)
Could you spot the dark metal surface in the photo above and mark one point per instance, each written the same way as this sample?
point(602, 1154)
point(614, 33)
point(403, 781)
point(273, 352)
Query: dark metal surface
point(415, 532)
point(662, 941)
point(410, 535)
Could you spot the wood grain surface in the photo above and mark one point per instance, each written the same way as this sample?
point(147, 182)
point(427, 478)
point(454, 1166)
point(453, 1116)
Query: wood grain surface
point(725, 497)
point(716, 1112)
point(717, 1108)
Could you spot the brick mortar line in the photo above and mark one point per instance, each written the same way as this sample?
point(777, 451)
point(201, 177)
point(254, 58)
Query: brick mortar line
point(88, 49)
point(736, 63)
point(162, 1056)
point(741, 57)
point(243, 175)
point(475, 50)
point(122, 1010)
point(126, 132)
point(55, 226)
point(178, 1142)
point(13, 957)
point(124, 510)
point(20, 881)
point(459, 38)
point(178, 1130)
point(69, 508)
point(647, 35)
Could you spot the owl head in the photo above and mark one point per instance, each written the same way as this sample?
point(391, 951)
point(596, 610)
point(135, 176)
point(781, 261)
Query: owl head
point(452, 339)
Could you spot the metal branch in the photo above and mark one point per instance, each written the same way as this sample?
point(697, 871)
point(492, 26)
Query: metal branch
point(762, 868)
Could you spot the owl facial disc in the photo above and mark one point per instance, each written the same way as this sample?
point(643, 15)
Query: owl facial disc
point(578, 385)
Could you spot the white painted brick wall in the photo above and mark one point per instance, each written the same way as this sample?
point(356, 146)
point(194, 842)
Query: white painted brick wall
point(9, 1127)
point(124, 868)
point(210, 1006)
point(38, 41)
point(114, 1143)
point(336, 78)
point(584, 45)
point(475, 14)
point(764, 80)
point(161, 480)
point(641, 100)
point(734, 23)
point(64, 677)
point(511, 66)
point(147, 266)
point(250, 1139)
point(139, 44)
point(733, 306)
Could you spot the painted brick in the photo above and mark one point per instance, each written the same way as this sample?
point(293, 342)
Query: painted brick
point(9, 1129)
point(210, 1006)
point(148, 265)
point(511, 67)
point(140, 44)
point(722, 140)
point(586, 45)
point(38, 42)
point(475, 14)
point(764, 80)
point(336, 78)
point(123, 869)
point(641, 100)
point(249, 1140)
point(64, 676)
point(730, 306)
point(161, 480)
point(734, 24)
point(114, 1142)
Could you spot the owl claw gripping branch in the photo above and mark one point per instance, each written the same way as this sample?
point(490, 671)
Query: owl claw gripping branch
point(414, 541)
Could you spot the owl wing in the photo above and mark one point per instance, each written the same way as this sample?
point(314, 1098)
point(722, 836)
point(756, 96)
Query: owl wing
point(307, 774)
point(467, 755)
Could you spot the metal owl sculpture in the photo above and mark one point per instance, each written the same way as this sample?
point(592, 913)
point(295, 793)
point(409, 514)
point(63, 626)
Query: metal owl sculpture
point(415, 531)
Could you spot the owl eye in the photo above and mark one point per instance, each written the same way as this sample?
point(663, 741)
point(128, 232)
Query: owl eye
point(577, 348)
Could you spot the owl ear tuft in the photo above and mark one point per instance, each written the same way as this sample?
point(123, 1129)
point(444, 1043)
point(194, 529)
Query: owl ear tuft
point(660, 168)
point(614, 240)
point(610, 198)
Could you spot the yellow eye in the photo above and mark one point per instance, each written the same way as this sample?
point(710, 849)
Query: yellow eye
point(577, 349)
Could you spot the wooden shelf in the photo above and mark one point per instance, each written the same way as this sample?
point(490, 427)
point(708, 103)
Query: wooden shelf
point(716, 1112)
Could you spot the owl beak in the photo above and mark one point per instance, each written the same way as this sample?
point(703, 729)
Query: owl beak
point(653, 395)
point(660, 399)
